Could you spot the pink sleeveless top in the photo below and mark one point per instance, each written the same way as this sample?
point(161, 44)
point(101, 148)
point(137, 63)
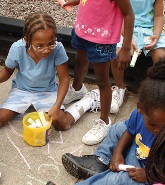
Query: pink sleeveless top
point(99, 21)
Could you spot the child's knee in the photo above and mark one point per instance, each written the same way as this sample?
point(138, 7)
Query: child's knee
point(3, 120)
point(3, 117)
point(61, 126)
point(6, 115)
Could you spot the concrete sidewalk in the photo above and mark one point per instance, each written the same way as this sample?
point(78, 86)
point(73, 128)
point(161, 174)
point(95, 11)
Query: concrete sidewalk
point(22, 164)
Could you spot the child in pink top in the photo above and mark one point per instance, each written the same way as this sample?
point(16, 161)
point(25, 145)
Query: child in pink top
point(97, 30)
point(106, 29)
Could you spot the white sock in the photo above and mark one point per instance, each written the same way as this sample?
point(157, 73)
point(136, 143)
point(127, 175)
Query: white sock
point(122, 92)
point(79, 108)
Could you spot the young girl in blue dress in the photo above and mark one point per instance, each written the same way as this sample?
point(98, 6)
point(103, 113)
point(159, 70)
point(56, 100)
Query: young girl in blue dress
point(38, 58)
point(149, 21)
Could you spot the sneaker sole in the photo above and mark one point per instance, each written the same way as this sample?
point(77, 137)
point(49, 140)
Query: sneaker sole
point(90, 143)
point(75, 169)
point(73, 99)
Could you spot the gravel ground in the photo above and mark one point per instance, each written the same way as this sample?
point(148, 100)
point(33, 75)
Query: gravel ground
point(21, 8)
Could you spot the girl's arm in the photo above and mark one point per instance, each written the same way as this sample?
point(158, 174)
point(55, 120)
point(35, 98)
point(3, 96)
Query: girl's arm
point(137, 174)
point(158, 18)
point(124, 56)
point(158, 23)
point(5, 74)
point(117, 157)
point(71, 3)
point(63, 76)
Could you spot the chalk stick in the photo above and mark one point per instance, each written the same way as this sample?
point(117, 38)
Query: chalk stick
point(124, 167)
point(38, 123)
point(134, 58)
point(42, 118)
point(147, 40)
point(32, 125)
point(31, 121)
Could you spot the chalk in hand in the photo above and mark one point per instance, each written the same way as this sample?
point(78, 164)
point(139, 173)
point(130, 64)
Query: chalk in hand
point(124, 167)
point(147, 40)
point(67, 8)
point(134, 58)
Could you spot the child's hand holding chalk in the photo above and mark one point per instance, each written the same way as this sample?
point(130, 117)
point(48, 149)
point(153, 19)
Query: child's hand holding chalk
point(134, 58)
point(67, 8)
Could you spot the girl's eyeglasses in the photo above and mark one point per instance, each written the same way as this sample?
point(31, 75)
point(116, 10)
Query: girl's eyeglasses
point(41, 49)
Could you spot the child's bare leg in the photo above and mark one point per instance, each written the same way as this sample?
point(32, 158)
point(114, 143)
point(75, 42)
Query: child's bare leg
point(157, 54)
point(64, 122)
point(73, 113)
point(117, 74)
point(81, 69)
point(5, 116)
point(103, 82)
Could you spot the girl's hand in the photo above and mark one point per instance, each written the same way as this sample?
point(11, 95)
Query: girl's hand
point(71, 3)
point(123, 58)
point(154, 40)
point(137, 174)
point(134, 48)
point(115, 161)
point(54, 113)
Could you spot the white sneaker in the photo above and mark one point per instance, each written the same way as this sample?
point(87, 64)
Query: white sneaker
point(97, 133)
point(95, 104)
point(117, 96)
point(73, 95)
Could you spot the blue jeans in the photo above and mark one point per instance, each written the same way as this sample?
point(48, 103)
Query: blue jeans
point(95, 52)
point(105, 151)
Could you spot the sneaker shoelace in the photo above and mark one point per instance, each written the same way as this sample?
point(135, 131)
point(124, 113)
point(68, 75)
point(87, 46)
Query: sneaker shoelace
point(115, 92)
point(97, 126)
point(95, 105)
point(70, 89)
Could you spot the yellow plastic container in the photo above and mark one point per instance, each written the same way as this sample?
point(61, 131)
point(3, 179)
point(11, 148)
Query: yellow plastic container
point(36, 136)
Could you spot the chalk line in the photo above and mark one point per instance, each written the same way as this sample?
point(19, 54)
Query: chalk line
point(13, 130)
point(19, 151)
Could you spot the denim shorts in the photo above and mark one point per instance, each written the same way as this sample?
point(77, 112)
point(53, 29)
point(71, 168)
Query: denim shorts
point(94, 52)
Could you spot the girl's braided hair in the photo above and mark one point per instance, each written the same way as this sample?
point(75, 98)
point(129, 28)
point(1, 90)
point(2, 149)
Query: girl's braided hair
point(152, 97)
point(152, 89)
point(37, 21)
point(155, 168)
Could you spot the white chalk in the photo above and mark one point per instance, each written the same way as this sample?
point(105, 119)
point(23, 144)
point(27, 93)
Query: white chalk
point(124, 167)
point(134, 58)
point(32, 126)
point(67, 8)
point(147, 40)
point(42, 118)
point(31, 121)
point(38, 123)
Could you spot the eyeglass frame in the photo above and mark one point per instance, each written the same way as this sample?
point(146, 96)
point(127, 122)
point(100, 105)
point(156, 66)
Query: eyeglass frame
point(42, 49)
